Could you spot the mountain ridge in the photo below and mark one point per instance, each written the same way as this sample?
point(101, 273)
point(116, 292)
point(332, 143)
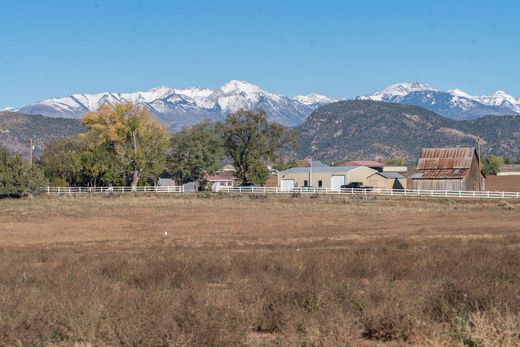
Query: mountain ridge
point(367, 129)
point(177, 107)
point(453, 103)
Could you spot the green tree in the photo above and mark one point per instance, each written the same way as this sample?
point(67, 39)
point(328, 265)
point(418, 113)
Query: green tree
point(80, 161)
point(136, 140)
point(251, 142)
point(17, 177)
point(491, 165)
point(194, 151)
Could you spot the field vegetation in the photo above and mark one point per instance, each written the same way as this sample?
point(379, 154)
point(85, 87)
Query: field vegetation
point(234, 271)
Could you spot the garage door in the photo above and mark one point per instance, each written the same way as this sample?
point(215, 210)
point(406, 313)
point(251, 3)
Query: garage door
point(286, 185)
point(337, 181)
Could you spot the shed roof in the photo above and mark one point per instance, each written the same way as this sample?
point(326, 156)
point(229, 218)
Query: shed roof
point(390, 175)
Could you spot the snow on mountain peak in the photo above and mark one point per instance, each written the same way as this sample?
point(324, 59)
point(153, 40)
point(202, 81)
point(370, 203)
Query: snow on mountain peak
point(235, 86)
point(460, 93)
point(398, 90)
point(404, 88)
point(313, 98)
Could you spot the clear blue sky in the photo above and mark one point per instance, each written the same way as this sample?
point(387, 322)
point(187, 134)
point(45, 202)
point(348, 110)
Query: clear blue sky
point(337, 48)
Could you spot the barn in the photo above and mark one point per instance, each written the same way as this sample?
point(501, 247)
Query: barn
point(449, 169)
point(323, 176)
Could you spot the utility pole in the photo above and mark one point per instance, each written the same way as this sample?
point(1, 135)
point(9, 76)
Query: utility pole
point(479, 163)
point(30, 152)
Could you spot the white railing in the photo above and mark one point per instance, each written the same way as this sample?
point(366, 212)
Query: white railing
point(106, 190)
point(302, 190)
point(378, 191)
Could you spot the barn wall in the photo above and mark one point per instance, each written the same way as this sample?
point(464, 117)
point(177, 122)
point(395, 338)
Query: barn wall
point(474, 180)
point(438, 184)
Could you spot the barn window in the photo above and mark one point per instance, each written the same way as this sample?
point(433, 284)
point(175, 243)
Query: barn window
point(320, 184)
point(305, 183)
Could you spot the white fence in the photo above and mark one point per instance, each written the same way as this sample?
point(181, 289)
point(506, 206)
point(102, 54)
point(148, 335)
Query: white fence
point(106, 190)
point(303, 190)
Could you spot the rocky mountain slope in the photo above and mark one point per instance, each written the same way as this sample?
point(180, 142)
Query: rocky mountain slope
point(366, 129)
point(454, 103)
point(177, 107)
point(16, 129)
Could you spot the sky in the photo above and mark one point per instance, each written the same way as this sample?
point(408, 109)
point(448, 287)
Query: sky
point(343, 48)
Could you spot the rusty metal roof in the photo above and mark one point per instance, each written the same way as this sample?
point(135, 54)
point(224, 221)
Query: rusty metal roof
point(446, 158)
point(441, 174)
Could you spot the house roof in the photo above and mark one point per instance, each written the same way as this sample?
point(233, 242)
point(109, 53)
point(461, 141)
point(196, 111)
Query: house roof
point(369, 163)
point(444, 163)
point(229, 167)
point(221, 176)
point(319, 169)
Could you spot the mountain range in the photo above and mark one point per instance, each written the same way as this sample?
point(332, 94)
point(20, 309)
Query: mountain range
point(454, 103)
point(178, 107)
point(366, 129)
point(352, 129)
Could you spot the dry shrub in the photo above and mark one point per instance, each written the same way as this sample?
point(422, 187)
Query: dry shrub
point(215, 281)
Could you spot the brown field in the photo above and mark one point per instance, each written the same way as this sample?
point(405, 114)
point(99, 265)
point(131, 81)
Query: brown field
point(503, 183)
point(328, 271)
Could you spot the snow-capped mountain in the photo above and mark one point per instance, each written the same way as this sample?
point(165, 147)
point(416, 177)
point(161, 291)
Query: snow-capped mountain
point(179, 107)
point(453, 103)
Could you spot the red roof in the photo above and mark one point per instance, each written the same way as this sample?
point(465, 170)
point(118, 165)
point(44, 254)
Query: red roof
point(221, 176)
point(369, 163)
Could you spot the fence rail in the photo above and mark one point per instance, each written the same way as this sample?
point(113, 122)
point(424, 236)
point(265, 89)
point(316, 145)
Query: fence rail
point(302, 190)
point(106, 190)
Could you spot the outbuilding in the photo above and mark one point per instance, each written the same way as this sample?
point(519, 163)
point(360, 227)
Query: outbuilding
point(387, 180)
point(449, 169)
point(323, 176)
point(216, 181)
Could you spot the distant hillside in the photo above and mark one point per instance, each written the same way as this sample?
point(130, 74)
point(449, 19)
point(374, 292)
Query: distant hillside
point(16, 129)
point(364, 129)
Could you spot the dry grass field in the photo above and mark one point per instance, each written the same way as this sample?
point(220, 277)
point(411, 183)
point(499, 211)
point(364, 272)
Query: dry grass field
point(180, 271)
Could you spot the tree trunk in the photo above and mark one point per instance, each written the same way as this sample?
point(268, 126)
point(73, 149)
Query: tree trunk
point(137, 172)
point(135, 178)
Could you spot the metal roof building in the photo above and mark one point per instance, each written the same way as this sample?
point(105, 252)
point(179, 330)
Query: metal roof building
point(323, 176)
point(449, 169)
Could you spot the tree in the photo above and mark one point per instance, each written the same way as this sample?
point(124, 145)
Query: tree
point(17, 177)
point(491, 165)
point(136, 140)
point(194, 151)
point(80, 161)
point(251, 142)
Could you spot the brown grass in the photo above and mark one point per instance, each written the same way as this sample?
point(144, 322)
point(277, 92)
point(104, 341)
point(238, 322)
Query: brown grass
point(259, 272)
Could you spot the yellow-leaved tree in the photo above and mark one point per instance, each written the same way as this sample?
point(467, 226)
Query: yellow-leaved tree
point(134, 138)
